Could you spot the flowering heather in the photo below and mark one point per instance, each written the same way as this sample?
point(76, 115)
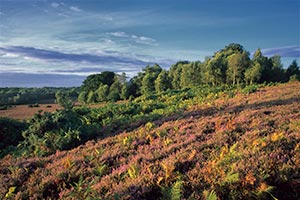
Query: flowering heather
point(241, 147)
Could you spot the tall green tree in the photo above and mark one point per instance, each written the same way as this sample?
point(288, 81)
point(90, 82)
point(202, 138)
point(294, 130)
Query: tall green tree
point(277, 69)
point(266, 66)
point(102, 92)
point(162, 83)
point(293, 70)
point(91, 97)
point(125, 91)
point(115, 90)
point(190, 75)
point(150, 75)
point(64, 100)
point(147, 84)
point(237, 64)
point(82, 98)
point(92, 82)
point(216, 69)
point(175, 74)
point(253, 74)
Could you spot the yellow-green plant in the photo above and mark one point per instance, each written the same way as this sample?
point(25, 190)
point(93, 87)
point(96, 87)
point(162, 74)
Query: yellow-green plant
point(173, 192)
point(10, 192)
point(133, 171)
point(99, 170)
point(209, 195)
point(263, 190)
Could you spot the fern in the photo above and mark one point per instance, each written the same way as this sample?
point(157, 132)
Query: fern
point(176, 190)
point(165, 193)
point(100, 169)
point(10, 192)
point(231, 178)
point(172, 193)
point(265, 189)
point(133, 171)
point(209, 195)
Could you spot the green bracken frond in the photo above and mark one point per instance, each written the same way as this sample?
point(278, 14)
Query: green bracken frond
point(209, 195)
point(176, 190)
point(172, 193)
point(231, 178)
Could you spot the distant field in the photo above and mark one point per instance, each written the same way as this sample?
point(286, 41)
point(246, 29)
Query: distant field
point(23, 112)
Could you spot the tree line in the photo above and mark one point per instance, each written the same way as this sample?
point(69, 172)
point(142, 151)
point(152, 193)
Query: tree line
point(14, 96)
point(231, 65)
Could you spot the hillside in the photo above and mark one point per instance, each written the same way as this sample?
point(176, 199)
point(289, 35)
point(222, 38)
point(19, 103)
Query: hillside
point(245, 147)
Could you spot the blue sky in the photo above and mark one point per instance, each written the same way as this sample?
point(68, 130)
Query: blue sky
point(70, 39)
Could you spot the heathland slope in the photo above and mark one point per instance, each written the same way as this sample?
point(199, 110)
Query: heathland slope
point(246, 147)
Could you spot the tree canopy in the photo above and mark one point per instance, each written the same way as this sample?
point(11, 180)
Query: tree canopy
point(230, 65)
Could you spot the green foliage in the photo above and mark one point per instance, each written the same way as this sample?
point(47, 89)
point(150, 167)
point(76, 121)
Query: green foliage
point(293, 71)
point(233, 153)
point(92, 82)
point(250, 89)
point(148, 81)
point(62, 130)
point(231, 178)
point(10, 192)
point(237, 64)
point(264, 191)
point(64, 100)
point(210, 195)
point(253, 74)
point(230, 65)
point(173, 192)
point(10, 134)
point(82, 98)
point(162, 82)
point(91, 98)
point(124, 91)
point(133, 171)
point(102, 93)
point(100, 169)
point(13, 96)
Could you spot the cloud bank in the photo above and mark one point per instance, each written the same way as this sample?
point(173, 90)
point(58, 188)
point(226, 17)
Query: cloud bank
point(56, 56)
point(285, 52)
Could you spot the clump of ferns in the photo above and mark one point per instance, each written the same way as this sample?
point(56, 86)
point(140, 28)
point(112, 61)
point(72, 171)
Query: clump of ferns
point(173, 191)
point(82, 189)
point(133, 171)
point(264, 191)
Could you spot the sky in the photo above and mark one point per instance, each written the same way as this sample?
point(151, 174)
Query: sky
point(60, 42)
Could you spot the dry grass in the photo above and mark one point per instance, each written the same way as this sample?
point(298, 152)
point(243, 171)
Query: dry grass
point(24, 112)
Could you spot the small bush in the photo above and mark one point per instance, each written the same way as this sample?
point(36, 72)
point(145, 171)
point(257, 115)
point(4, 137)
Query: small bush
point(36, 105)
point(10, 133)
point(250, 89)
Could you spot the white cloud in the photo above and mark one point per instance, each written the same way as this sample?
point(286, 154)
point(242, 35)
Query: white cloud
point(10, 55)
point(55, 5)
point(119, 34)
point(137, 39)
point(74, 8)
point(108, 41)
point(144, 40)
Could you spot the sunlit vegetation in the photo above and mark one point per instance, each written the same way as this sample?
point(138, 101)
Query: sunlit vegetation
point(243, 145)
point(231, 65)
point(15, 96)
